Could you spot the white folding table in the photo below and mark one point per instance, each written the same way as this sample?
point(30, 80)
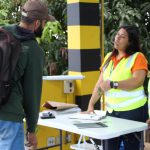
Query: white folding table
point(116, 127)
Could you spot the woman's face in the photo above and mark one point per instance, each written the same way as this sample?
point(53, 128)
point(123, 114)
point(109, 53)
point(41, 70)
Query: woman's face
point(121, 40)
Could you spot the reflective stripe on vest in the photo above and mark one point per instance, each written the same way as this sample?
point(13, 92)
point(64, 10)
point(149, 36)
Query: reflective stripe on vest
point(125, 103)
point(123, 94)
point(130, 60)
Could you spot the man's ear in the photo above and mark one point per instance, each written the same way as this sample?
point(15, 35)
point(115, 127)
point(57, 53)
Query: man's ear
point(36, 24)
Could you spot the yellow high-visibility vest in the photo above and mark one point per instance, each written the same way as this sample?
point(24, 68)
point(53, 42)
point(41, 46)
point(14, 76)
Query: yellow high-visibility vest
point(121, 100)
point(149, 96)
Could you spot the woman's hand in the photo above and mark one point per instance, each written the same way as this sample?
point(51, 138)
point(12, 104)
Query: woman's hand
point(89, 110)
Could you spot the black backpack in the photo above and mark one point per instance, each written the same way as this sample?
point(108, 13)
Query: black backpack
point(10, 49)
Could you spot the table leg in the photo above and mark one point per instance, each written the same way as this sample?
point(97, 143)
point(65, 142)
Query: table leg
point(105, 144)
point(60, 132)
point(142, 141)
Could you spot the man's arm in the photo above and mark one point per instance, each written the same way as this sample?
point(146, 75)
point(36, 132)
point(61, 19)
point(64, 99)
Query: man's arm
point(32, 86)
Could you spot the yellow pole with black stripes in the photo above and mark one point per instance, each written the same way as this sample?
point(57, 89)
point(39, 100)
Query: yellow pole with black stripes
point(84, 46)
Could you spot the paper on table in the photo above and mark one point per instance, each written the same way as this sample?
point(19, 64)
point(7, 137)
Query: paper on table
point(58, 105)
point(96, 116)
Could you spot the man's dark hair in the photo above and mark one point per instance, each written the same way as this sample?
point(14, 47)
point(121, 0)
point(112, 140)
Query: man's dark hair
point(26, 20)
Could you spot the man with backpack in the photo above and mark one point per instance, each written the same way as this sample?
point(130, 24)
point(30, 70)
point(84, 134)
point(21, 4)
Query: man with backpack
point(26, 82)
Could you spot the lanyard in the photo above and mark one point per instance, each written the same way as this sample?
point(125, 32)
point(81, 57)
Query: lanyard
point(111, 69)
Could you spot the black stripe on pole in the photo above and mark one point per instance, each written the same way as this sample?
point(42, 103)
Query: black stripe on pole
point(83, 14)
point(84, 60)
point(83, 102)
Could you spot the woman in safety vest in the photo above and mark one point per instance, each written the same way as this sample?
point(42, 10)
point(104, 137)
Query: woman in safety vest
point(122, 76)
point(148, 121)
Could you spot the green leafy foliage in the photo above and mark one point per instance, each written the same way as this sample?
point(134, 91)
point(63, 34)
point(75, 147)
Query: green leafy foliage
point(10, 11)
point(58, 8)
point(53, 41)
